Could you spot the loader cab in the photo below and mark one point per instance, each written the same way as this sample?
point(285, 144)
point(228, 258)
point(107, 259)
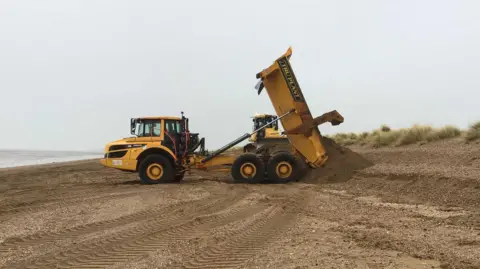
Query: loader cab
point(262, 120)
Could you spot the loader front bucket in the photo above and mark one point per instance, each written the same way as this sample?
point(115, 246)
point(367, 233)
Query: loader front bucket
point(300, 127)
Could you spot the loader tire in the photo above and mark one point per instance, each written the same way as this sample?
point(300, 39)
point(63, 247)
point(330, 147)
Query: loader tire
point(156, 169)
point(283, 167)
point(248, 168)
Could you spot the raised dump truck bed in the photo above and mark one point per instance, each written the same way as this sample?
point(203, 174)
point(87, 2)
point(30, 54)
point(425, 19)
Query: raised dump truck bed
point(300, 127)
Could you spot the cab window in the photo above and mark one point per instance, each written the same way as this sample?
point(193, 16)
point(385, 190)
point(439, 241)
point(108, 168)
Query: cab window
point(172, 126)
point(156, 128)
point(148, 128)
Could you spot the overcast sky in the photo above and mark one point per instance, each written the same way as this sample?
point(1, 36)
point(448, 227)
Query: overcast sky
point(73, 73)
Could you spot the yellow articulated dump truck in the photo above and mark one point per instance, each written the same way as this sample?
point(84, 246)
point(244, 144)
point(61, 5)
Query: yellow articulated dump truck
point(163, 148)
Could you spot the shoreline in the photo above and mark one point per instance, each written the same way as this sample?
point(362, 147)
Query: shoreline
point(49, 164)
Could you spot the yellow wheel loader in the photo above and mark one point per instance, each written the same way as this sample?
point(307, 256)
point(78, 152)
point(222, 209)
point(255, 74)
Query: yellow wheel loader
point(163, 148)
point(267, 137)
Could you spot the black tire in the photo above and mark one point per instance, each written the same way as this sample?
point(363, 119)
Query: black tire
point(244, 161)
point(179, 177)
point(304, 168)
point(167, 176)
point(291, 163)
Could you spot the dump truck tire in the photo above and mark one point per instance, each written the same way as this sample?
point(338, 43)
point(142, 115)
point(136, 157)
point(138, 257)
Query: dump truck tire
point(156, 169)
point(304, 168)
point(248, 168)
point(179, 177)
point(283, 167)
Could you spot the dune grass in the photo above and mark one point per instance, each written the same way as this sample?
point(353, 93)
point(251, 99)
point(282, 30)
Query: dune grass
point(473, 132)
point(386, 136)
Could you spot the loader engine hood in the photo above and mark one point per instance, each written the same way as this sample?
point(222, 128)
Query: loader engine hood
point(124, 143)
point(272, 133)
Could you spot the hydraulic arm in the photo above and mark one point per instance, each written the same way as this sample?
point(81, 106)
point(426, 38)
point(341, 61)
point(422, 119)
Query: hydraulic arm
point(241, 138)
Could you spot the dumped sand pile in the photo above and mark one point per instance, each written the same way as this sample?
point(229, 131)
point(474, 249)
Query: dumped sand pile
point(341, 165)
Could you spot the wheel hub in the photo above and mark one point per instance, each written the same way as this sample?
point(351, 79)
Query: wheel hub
point(155, 171)
point(248, 170)
point(284, 169)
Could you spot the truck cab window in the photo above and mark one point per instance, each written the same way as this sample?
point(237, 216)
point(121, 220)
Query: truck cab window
point(148, 128)
point(178, 125)
point(173, 126)
point(139, 129)
point(156, 128)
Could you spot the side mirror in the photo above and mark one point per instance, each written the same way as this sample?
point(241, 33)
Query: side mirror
point(132, 126)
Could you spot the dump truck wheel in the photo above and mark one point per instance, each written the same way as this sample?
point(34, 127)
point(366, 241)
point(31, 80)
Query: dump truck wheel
point(248, 168)
point(156, 169)
point(304, 168)
point(283, 167)
point(179, 177)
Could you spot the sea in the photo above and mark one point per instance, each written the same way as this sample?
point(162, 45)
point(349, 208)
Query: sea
point(13, 158)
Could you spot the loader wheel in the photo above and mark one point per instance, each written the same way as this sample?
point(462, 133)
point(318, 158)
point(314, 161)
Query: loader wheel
point(156, 169)
point(283, 167)
point(248, 168)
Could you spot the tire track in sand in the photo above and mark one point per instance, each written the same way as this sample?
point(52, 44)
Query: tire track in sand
point(154, 217)
point(64, 200)
point(161, 240)
point(124, 246)
point(249, 240)
point(14, 244)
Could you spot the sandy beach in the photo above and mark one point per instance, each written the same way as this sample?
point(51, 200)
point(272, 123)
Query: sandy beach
point(416, 207)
